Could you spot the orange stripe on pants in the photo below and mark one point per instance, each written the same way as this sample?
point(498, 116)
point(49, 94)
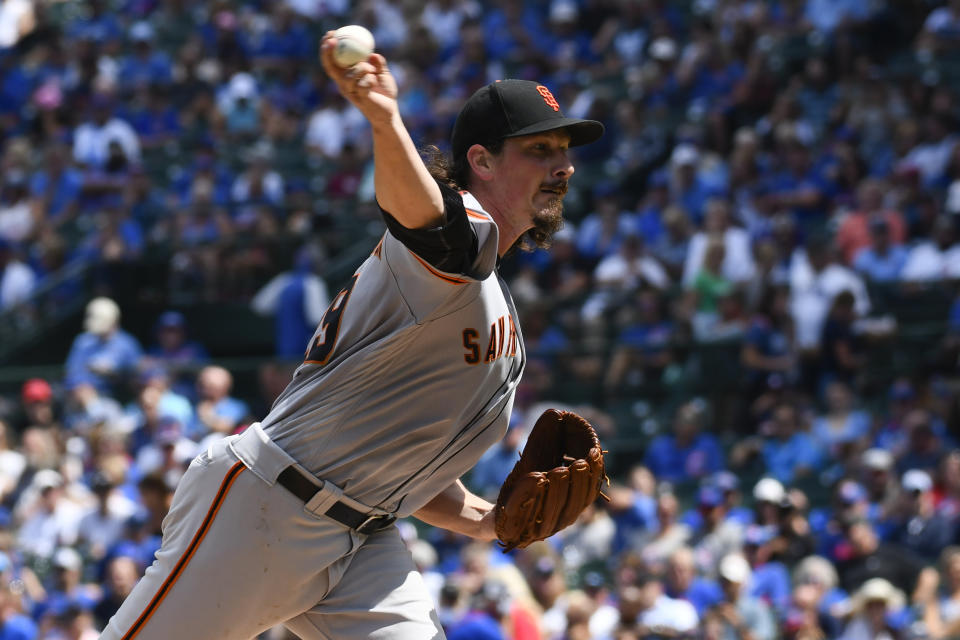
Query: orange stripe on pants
point(188, 553)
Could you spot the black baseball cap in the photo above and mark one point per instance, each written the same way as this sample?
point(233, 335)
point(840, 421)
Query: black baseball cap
point(510, 108)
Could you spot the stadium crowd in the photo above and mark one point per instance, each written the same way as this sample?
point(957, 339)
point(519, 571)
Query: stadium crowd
point(777, 175)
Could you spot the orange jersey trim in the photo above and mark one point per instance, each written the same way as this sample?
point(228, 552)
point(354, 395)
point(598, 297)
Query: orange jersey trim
point(477, 215)
point(440, 275)
point(188, 554)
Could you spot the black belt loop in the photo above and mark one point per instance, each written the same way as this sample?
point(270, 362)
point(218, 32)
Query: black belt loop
point(299, 485)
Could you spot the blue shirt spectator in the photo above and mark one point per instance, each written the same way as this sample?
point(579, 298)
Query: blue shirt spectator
point(687, 454)
point(104, 353)
point(881, 261)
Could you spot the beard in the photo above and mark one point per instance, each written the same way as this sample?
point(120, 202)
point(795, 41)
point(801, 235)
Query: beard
point(547, 221)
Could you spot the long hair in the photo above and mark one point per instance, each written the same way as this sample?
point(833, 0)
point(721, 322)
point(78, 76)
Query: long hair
point(455, 174)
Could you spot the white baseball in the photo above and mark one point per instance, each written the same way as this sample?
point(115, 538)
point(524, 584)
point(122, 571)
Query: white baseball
point(354, 44)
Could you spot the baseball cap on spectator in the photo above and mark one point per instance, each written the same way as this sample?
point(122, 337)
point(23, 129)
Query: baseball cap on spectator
point(171, 320)
point(734, 568)
point(168, 431)
point(242, 86)
point(725, 481)
point(36, 390)
point(663, 48)
point(67, 558)
point(510, 108)
point(141, 32)
point(769, 490)
point(877, 459)
point(917, 480)
point(901, 390)
point(563, 11)
point(709, 496)
point(877, 589)
point(102, 314)
point(47, 479)
point(851, 492)
point(684, 154)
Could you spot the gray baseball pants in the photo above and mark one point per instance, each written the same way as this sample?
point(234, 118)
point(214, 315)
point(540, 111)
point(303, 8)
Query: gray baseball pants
point(241, 554)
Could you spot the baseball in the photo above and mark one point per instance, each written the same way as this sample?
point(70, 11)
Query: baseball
point(354, 44)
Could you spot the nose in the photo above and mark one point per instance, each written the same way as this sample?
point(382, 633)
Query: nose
point(564, 167)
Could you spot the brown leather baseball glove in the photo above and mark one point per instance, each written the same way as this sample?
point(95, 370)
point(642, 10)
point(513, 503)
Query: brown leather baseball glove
point(559, 473)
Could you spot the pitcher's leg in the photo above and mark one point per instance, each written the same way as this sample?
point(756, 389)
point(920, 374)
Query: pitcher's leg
point(381, 596)
point(238, 556)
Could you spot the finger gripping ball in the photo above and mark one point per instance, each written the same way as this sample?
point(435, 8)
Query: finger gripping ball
point(354, 44)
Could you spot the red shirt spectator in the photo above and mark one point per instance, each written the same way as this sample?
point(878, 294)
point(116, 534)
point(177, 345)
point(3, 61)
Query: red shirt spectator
point(854, 232)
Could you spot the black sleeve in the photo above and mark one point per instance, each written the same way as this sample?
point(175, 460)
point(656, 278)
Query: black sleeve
point(451, 247)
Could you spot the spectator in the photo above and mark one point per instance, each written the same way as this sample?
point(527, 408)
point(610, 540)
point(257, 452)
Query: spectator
point(872, 605)
point(770, 578)
point(14, 624)
point(102, 526)
point(216, 410)
point(645, 609)
point(17, 280)
point(768, 348)
point(718, 535)
point(12, 463)
point(618, 275)
point(869, 558)
point(788, 452)
point(93, 138)
point(741, 615)
point(880, 261)
point(663, 540)
point(297, 299)
point(121, 575)
point(18, 222)
point(815, 281)
point(689, 454)
point(50, 519)
point(104, 353)
point(483, 622)
point(645, 345)
point(493, 467)
point(841, 349)
point(856, 231)
point(173, 350)
point(682, 582)
point(841, 424)
point(924, 530)
point(737, 262)
point(936, 258)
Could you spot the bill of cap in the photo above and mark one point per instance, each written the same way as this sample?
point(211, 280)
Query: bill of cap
point(581, 131)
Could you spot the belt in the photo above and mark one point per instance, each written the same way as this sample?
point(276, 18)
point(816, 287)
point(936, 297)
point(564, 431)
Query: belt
point(299, 485)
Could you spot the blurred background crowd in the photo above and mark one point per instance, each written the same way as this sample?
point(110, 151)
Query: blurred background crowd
point(754, 299)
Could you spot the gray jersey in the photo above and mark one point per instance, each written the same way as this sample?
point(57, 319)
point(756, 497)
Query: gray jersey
point(410, 375)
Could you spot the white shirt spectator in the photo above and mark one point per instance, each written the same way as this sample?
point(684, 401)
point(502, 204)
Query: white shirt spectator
point(91, 142)
point(272, 188)
point(16, 221)
point(102, 530)
point(330, 129)
point(813, 293)
point(151, 457)
point(737, 259)
point(17, 281)
point(443, 20)
point(16, 20)
point(619, 272)
point(927, 262)
point(930, 158)
point(315, 302)
point(12, 464)
point(44, 531)
point(316, 9)
point(670, 613)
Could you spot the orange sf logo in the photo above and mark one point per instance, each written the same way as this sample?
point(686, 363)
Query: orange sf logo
point(548, 97)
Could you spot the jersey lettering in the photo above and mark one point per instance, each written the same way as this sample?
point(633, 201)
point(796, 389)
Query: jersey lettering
point(502, 342)
point(470, 344)
point(321, 347)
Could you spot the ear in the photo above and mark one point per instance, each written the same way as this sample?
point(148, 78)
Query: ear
point(481, 162)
